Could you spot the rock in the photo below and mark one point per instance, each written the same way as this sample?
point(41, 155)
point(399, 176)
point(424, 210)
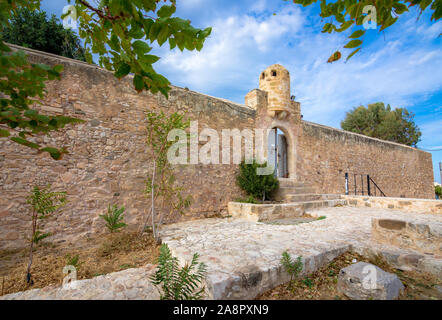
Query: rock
point(363, 281)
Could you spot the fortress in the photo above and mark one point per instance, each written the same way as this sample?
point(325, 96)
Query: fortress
point(108, 161)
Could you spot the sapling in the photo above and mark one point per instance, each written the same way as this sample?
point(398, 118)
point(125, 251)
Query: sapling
point(44, 202)
point(114, 218)
point(293, 268)
point(164, 195)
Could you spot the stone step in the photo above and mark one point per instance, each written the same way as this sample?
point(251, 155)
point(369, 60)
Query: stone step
point(311, 205)
point(276, 211)
point(302, 197)
point(284, 191)
point(310, 197)
point(288, 182)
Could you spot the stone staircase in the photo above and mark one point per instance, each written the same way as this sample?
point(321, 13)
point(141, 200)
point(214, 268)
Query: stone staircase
point(296, 199)
point(291, 191)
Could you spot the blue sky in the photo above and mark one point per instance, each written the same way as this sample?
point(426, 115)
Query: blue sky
point(401, 66)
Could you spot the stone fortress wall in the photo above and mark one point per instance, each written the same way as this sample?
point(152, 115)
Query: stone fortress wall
point(108, 160)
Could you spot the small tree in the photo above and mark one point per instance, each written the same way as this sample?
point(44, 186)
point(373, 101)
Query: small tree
point(43, 202)
point(114, 218)
point(160, 186)
point(178, 283)
point(258, 186)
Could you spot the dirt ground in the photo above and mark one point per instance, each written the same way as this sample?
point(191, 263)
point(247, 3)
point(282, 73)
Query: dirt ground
point(322, 285)
point(110, 253)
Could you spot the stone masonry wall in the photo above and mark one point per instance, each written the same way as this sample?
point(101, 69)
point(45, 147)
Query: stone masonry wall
point(108, 161)
point(325, 154)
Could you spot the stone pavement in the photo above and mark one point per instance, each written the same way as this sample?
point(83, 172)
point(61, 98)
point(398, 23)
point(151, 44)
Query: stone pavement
point(243, 256)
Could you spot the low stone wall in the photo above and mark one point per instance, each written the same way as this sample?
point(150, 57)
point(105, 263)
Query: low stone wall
point(422, 237)
point(130, 284)
point(403, 204)
point(264, 212)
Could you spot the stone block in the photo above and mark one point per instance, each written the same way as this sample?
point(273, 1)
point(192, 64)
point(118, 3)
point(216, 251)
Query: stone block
point(392, 224)
point(365, 281)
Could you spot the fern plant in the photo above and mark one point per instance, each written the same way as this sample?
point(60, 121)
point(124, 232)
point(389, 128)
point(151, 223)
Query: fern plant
point(293, 268)
point(43, 202)
point(178, 283)
point(114, 218)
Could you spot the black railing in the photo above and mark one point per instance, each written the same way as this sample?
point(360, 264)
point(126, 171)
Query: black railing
point(362, 184)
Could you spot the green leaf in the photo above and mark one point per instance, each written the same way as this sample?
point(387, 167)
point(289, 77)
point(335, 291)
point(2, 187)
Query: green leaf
point(140, 47)
point(138, 83)
point(123, 70)
point(399, 8)
point(163, 35)
point(149, 59)
point(25, 142)
point(352, 54)
point(54, 152)
point(388, 22)
point(114, 43)
point(345, 25)
point(353, 44)
point(166, 11)
point(172, 43)
point(357, 34)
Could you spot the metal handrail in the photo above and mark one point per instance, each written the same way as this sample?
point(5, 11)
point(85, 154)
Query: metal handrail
point(370, 182)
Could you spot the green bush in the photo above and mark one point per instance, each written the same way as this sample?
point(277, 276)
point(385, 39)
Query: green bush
point(258, 186)
point(438, 191)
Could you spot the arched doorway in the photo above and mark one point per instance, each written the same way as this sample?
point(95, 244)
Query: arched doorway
point(277, 152)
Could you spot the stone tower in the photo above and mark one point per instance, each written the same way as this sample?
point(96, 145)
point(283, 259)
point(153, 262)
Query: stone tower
point(275, 80)
point(274, 94)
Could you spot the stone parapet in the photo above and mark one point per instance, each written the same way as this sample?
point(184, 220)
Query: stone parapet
point(424, 237)
point(403, 204)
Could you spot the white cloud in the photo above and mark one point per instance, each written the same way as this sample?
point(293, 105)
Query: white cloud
point(232, 50)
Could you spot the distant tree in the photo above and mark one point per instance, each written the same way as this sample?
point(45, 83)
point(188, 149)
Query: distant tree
point(120, 32)
point(381, 122)
point(33, 29)
point(438, 191)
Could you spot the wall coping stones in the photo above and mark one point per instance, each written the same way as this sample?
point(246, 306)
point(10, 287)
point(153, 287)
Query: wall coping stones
point(403, 204)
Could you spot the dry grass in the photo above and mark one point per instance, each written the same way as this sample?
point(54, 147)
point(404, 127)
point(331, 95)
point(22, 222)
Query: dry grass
point(103, 255)
point(322, 285)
